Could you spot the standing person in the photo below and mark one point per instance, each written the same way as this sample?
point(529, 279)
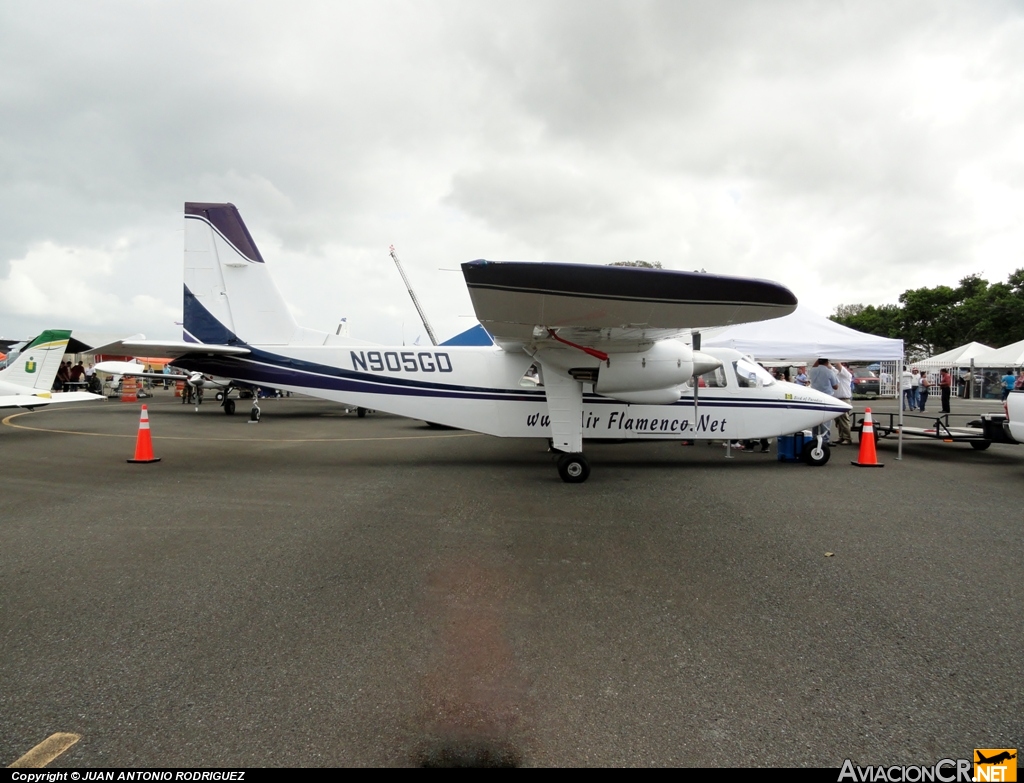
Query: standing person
point(906, 388)
point(844, 393)
point(63, 376)
point(922, 391)
point(945, 387)
point(801, 376)
point(915, 387)
point(1008, 382)
point(823, 378)
point(92, 383)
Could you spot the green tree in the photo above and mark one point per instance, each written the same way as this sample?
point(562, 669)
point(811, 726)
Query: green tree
point(932, 320)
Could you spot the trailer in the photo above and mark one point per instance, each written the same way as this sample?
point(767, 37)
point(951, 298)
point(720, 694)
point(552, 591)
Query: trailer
point(979, 432)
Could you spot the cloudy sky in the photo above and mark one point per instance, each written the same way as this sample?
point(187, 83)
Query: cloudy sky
point(848, 150)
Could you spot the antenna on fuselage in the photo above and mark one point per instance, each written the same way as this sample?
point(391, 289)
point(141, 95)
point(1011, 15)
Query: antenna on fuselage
point(412, 295)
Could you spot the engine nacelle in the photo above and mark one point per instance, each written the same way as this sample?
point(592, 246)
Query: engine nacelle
point(664, 365)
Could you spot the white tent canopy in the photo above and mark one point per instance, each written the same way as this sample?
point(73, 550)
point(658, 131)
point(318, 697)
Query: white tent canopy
point(1011, 355)
point(955, 357)
point(800, 336)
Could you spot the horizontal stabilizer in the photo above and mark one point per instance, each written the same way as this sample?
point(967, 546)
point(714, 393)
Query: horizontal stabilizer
point(166, 349)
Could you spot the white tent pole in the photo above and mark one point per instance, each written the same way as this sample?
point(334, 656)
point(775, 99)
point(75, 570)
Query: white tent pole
point(899, 446)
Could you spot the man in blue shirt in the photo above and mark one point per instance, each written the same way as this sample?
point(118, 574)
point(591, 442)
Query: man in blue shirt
point(824, 379)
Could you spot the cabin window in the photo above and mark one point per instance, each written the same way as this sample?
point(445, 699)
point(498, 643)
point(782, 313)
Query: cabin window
point(715, 379)
point(531, 380)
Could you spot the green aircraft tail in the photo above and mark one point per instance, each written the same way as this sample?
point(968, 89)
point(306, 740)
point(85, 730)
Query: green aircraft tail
point(37, 364)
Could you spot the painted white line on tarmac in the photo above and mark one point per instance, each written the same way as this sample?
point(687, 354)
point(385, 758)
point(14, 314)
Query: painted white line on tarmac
point(9, 423)
point(46, 751)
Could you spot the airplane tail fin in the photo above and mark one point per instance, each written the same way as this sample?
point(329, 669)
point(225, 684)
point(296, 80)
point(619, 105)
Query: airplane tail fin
point(230, 296)
point(37, 364)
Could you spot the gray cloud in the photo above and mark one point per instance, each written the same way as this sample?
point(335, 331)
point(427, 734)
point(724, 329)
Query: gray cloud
point(846, 150)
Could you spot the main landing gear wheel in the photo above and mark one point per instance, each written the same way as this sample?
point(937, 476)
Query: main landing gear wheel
point(573, 468)
point(816, 455)
point(360, 412)
point(980, 445)
point(229, 407)
point(878, 437)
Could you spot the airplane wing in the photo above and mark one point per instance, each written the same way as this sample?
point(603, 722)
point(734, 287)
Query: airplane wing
point(613, 307)
point(166, 349)
point(30, 401)
point(628, 312)
point(136, 370)
point(195, 379)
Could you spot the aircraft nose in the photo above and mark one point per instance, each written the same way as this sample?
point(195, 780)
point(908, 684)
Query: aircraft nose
point(835, 407)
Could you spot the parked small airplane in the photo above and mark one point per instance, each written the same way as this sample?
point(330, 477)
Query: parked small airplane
point(28, 378)
point(580, 351)
point(222, 386)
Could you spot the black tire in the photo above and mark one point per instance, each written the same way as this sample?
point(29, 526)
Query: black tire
point(229, 407)
point(254, 414)
point(860, 436)
point(573, 468)
point(361, 412)
point(980, 445)
point(813, 457)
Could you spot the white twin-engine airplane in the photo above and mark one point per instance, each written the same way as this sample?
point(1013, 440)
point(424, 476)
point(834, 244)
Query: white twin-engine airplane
point(581, 351)
point(27, 380)
point(196, 380)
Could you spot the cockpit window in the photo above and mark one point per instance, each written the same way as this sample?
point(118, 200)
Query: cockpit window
point(751, 375)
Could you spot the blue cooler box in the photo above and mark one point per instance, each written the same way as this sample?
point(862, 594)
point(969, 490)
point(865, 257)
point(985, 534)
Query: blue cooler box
point(791, 447)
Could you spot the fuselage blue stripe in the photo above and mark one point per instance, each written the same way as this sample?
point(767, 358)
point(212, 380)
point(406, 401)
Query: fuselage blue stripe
point(262, 369)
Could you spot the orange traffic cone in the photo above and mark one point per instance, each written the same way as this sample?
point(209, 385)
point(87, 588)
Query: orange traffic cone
point(867, 457)
point(144, 443)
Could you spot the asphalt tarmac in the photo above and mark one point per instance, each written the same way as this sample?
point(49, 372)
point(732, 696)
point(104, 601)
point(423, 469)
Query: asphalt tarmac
point(324, 590)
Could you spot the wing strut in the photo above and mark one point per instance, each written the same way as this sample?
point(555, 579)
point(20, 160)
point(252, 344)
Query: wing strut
point(696, 383)
point(565, 408)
